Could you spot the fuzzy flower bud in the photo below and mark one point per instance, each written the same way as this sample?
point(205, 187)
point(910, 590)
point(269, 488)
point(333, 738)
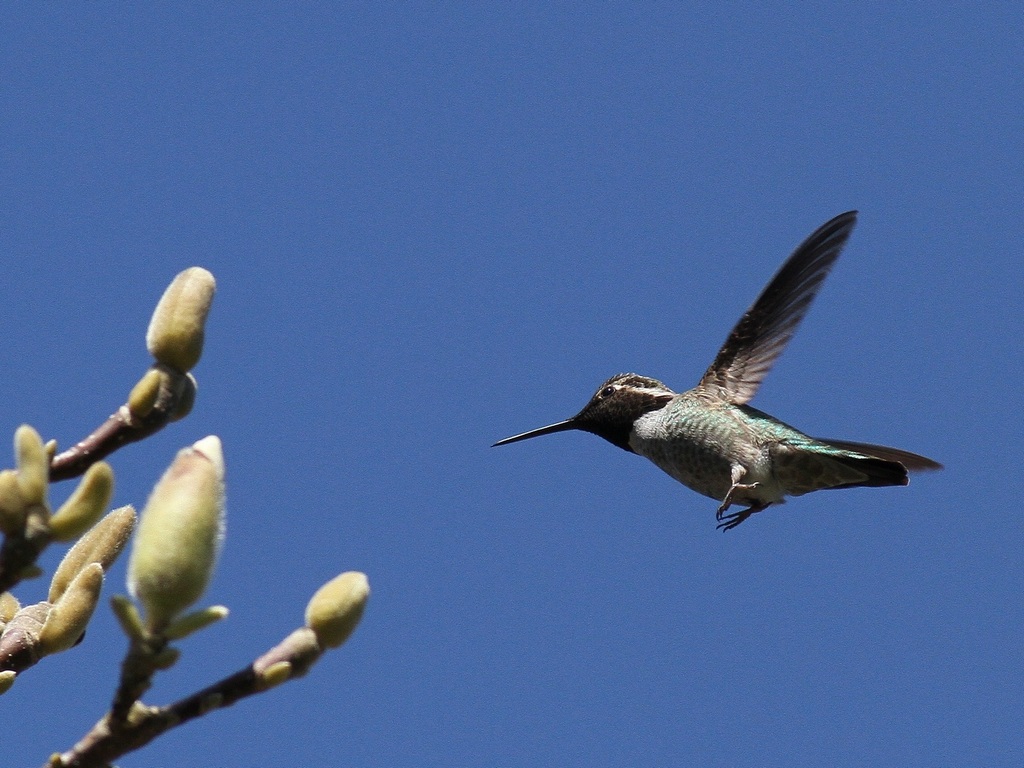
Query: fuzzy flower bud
point(336, 608)
point(85, 505)
point(101, 544)
point(144, 394)
point(33, 464)
point(179, 534)
point(9, 606)
point(69, 616)
point(12, 503)
point(175, 335)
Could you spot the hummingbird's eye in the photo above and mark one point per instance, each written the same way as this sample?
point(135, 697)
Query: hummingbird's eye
point(607, 391)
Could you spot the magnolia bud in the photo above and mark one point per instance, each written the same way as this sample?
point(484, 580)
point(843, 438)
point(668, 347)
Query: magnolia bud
point(33, 465)
point(336, 608)
point(69, 616)
point(12, 503)
point(175, 335)
point(101, 544)
point(9, 606)
point(85, 505)
point(144, 394)
point(179, 534)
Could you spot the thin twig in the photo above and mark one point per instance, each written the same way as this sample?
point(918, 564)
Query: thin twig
point(110, 739)
point(123, 428)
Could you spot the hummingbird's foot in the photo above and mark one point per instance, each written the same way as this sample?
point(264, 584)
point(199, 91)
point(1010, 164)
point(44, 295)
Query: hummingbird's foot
point(731, 521)
point(727, 501)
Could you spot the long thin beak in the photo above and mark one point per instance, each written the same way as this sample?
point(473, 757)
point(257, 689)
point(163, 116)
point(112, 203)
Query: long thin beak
point(561, 426)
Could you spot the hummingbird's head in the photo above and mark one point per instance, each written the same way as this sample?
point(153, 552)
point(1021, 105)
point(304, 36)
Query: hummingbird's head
point(611, 412)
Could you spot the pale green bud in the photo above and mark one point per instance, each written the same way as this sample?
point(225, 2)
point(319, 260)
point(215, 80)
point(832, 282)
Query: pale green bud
point(33, 465)
point(128, 617)
point(12, 503)
point(69, 616)
point(85, 505)
point(9, 606)
point(275, 674)
point(6, 680)
point(336, 608)
point(195, 621)
point(179, 535)
point(144, 394)
point(175, 335)
point(101, 544)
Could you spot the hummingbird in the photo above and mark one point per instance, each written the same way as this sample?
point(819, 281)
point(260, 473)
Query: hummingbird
point(710, 440)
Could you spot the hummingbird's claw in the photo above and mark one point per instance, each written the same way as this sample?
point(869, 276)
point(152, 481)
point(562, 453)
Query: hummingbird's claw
point(727, 501)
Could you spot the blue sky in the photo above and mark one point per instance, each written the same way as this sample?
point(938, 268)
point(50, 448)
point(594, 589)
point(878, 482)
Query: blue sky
point(434, 226)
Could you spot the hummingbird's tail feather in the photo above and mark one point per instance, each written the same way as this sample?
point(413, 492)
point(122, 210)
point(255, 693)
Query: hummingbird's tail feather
point(803, 468)
point(877, 472)
point(912, 461)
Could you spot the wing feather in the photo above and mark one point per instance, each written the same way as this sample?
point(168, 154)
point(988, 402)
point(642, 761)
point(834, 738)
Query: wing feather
point(764, 330)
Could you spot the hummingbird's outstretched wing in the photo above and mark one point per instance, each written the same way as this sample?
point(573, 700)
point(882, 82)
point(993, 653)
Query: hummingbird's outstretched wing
point(765, 329)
